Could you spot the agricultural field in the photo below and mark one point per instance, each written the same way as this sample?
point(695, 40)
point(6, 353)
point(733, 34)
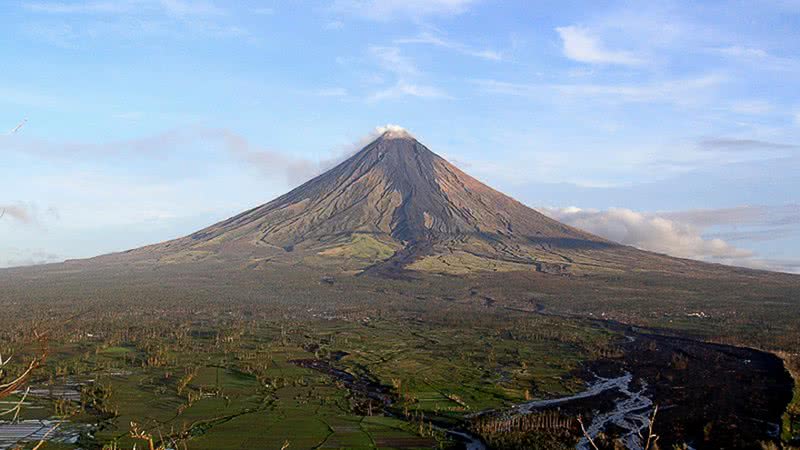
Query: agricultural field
point(234, 384)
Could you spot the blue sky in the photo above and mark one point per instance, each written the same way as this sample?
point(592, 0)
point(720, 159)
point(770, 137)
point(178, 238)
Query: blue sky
point(672, 126)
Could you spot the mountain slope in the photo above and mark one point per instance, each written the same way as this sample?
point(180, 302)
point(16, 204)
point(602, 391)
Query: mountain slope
point(404, 197)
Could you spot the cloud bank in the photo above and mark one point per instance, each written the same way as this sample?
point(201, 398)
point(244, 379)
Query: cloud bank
point(679, 234)
point(648, 232)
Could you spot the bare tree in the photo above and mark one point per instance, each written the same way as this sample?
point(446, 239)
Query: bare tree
point(651, 437)
point(650, 442)
point(586, 434)
point(8, 387)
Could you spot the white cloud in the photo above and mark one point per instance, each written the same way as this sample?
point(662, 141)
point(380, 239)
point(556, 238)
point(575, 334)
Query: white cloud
point(648, 232)
point(581, 45)
point(679, 234)
point(392, 130)
point(406, 89)
point(384, 10)
point(438, 41)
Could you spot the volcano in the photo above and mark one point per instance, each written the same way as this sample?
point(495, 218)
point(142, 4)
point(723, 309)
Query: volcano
point(397, 206)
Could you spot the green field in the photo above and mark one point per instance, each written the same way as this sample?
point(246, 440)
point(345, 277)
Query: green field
point(236, 387)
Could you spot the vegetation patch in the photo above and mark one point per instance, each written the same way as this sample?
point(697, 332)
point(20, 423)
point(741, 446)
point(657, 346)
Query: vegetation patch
point(361, 246)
